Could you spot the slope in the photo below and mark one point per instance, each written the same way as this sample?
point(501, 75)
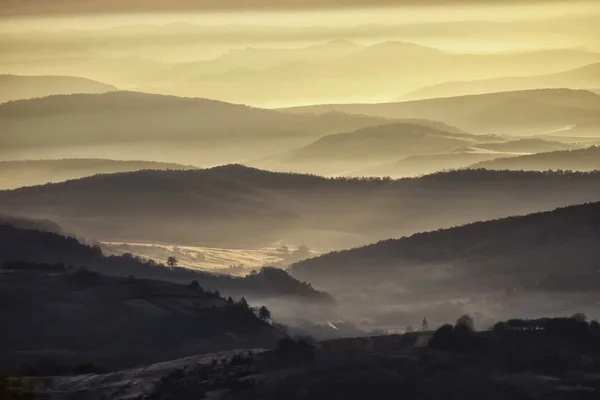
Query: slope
point(15, 174)
point(427, 164)
point(519, 112)
point(535, 264)
point(339, 153)
point(106, 322)
point(235, 206)
point(571, 160)
point(128, 122)
point(17, 87)
point(586, 77)
point(492, 253)
point(30, 245)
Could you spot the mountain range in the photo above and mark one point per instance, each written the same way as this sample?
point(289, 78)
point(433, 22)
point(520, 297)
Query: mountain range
point(235, 206)
point(14, 174)
point(17, 87)
point(124, 125)
point(586, 77)
point(513, 113)
point(535, 263)
point(569, 160)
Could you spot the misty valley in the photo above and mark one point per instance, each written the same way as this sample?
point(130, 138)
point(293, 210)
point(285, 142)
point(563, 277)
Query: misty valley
point(300, 200)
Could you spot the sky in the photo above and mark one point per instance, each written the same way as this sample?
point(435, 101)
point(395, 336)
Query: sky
point(36, 7)
point(94, 14)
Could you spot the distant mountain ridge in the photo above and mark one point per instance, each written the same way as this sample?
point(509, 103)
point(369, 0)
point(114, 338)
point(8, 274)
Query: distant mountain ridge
point(572, 160)
point(490, 251)
point(32, 245)
point(124, 124)
point(236, 206)
point(18, 87)
point(586, 77)
point(15, 174)
point(517, 112)
point(360, 149)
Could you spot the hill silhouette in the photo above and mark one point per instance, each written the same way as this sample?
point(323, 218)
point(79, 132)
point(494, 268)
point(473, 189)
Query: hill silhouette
point(477, 148)
point(569, 160)
point(343, 72)
point(128, 120)
point(17, 87)
point(427, 164)
point(496, 268)
point(14, 174)
point(339, 153)
point(236, 206)
point(586, 77)
point(532, 145)
point(518, 112)
point(92, 321)
point(30, 245)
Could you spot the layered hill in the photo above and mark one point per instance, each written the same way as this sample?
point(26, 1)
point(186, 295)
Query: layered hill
point(103, 322)
point(538, 263)
point(33, 246)
point(125, 124)
point(343, 152)
point(570, 160)
point(586, 77)
point(497, 252)
point(235, 206)
point(427, 164)
point(532, 145)
point(15, 174)
point(343, 71)
point(518, 112)
point(17, 87)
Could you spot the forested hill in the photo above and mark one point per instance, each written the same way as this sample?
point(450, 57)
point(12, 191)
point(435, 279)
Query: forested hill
point(553, 250)
point(30, 245)
point(233, 206)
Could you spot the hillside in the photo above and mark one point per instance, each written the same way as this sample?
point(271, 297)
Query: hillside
point(570, 160)
point(527, 146)
point(529, 265)
point(427, 164)
point(586, 77)
point(14, 174)
point(343, 72)
point(518, 112)
point(28, 223)
point(363, 148)
point(477, 149)
point(131, 125)
point(29, 245)
point(381, 142)
point(106, 322)
point(529, 359)
point(17, 87)
point(235, 206)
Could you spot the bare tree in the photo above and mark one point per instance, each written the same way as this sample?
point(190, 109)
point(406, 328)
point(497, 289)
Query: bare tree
point(172, 261)
point(264, 313)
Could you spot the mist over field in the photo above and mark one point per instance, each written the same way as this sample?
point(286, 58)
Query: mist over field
point(268, 199)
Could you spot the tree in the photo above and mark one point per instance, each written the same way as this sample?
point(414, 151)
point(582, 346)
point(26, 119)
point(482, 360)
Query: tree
point(264, 313)
point(465, 322)
point(243, 303)
point(230, 300)
point(581, 317)
point(194, 285)
point(172, 261)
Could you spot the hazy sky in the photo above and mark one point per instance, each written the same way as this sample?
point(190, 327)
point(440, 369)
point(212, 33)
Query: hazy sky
point(92, 6)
